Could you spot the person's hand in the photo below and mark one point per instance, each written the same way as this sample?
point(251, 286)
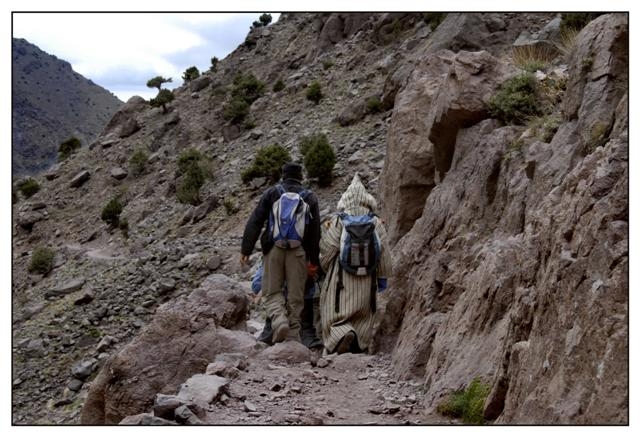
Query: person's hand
point(244, 259)
point(312, 270)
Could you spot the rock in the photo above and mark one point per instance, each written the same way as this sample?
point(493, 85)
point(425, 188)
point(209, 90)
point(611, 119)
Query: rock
point(79, 179)
point(26, 220)
point(322, 363)
point(203, 389)
point(353, 113)
point(171, 119)
point(84, 299)
point(65, 288)
point(205, 208)
point(255, 134)
point(145, 419)
point(118, 173)
point(35, 206)
point(214, 262)
point(257, 183)
point(166, 285)
point(35, 348)
point(106, 342)
point(53, 173)
point(165, 405)
point(185, 416)
point(199, 83)
point(75, 384)
point(129, 127)
point(290, 352)
point(82, 370)
point(249, 407)
point(276, 387)
point(184, 335)
point(195, 95)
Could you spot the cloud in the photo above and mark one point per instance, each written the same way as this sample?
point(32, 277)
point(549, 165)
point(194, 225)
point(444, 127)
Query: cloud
point(121, 51)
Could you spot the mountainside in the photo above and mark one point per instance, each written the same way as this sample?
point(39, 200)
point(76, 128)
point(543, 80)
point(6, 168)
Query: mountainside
point(509, 233)
point(50, 104)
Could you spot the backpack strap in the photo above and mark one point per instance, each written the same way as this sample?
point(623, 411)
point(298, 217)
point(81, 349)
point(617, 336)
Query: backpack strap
point(339, 287)
point(374, 290)
point(280, 189)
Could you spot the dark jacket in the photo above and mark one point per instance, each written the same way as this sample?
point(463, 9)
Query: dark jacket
point(260, 216)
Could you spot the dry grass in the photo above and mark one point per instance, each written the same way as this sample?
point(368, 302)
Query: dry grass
point(567, 41)
point(532, 58)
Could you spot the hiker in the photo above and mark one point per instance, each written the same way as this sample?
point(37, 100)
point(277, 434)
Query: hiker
point(310, 312)
point(354, 253)
point(290, 244)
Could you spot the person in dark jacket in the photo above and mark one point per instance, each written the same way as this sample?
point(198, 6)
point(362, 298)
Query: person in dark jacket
point(292, 265)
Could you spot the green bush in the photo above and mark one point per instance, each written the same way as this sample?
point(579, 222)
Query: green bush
point(189, 158)
point(138, 162)
point(190, 74)
point(111, 212)
point(164, 96)
point(516, 100)
point(67, 148)
point(124, 227)
point(374, 105)
point(236, 110)
point(29, 187)
point(278, 86)
point(467, 404)
point(157, 82)
point(577, 20)
point(230, 207)
point(314, 92)
point(214, 64)
point(247, 87)
point(319, 160)
point(265, 19)
point(433, 19)
point(310, 141)
point(42, 260)
point(267, 163)
point(195, 169)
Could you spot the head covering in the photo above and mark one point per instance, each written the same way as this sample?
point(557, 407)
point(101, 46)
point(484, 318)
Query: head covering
point(355, 200)
point(291, 170)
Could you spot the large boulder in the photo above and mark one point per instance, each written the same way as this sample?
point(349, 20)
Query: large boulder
point(199, 83)
point(181, 340)
point(517, 269)
point(445, 93)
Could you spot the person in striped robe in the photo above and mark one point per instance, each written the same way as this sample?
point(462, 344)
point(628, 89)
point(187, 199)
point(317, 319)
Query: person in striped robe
point(348, 326)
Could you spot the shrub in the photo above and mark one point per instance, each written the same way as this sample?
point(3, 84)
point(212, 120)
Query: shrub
point(278, 86)
point(111, 212)
point(310, 141)
point(577, 20)
point(314, 92)
point(267, 163)
point(433, 19)
point(67, 148)
point(265, 19)
point(214, 64)
point(189, 158)
point(319, 159)
point(327, 64)
point(532, 58)
point(138, 162)
point(230, 207)
point(374, 105)
point(567, 41)
point(195, 168)
point(467, 404)
point(516, 100)
point(191, 73)
point(236, 110)
point(124, 227)
point(247, 87)
point(42, 260)
point(157, 82)
point(545, 127)
point(29, 187)
point(164, 96)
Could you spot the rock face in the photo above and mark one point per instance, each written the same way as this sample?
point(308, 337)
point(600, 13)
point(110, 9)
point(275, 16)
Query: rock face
point(516, 267)
point(51, 103)
point(181, 340)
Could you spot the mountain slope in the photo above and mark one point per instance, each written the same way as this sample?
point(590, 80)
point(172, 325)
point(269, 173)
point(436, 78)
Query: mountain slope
point(51, 103)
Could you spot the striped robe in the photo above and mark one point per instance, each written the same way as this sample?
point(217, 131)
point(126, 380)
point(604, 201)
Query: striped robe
point(354, 307)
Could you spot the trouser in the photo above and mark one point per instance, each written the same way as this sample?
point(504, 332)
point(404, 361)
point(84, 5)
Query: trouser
point(308, 331)
point(282, 265)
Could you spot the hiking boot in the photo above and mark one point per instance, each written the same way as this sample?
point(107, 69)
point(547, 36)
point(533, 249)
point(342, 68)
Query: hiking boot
point(345, 343)
point(267, 333)
point(280, 333)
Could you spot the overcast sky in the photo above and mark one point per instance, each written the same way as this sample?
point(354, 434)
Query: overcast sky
point(120, 52)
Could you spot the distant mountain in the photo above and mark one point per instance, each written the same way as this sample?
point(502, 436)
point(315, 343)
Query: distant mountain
point(51, 103)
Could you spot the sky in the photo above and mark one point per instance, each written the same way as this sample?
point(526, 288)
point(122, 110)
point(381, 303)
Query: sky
point(121, 51)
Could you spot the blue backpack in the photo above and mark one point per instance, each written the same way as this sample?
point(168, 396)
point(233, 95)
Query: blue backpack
point(289, 216)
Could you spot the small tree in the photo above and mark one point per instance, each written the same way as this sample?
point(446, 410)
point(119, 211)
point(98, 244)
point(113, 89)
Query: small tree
point(42, 260)
point(214, 64)
point(195, 168)
point(138, 162)
point(29, 187)
point(157, 82)
point(191, 73)
point(67, 148)
point(164, 96)
point(278, 86)
point(247, 87)
point(267, 163)
point(256, 24)
point(314, 92)
point(265, 19)
point(319, 160)
point(516, 100)
point(236, 110)
point(111, 212)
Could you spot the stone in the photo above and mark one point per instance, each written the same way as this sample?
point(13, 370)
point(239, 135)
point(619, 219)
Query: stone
point(255, 134)
point(184, 416)
point(105, 343)
point(145, 419)
point(257, 183)
point(79, 179)
point(35, 206)
point(199, 83)
point(35, 348)
point(214, 262)
point(249, 407)
point(26, 220)
point(65, 288)
point(165, 405)
point(75, 384)
point(166, 285)
point(82, 370)
point(290, 352)
point(129, 127)
point(205, 208)
point(203, 389)
point(118, 173)
point(84, 299)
